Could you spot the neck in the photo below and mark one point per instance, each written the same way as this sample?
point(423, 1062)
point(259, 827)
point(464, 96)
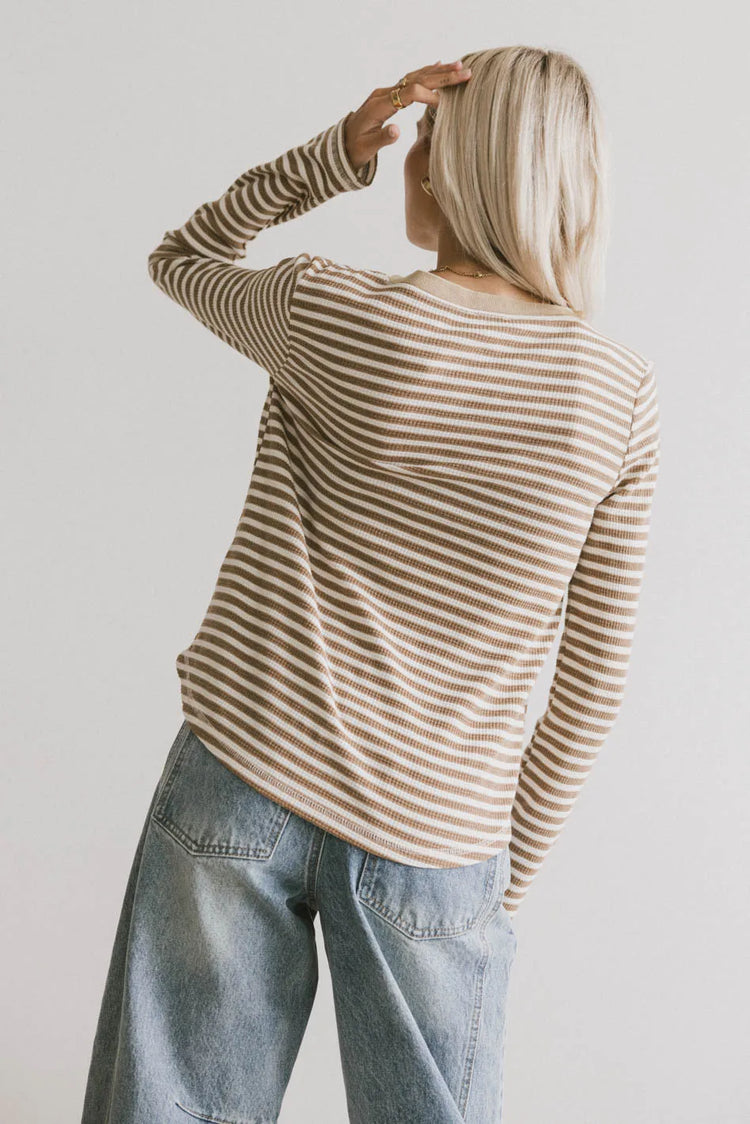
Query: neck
point(450, 253)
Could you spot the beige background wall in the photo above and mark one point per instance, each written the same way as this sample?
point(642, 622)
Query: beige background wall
point(127, 438)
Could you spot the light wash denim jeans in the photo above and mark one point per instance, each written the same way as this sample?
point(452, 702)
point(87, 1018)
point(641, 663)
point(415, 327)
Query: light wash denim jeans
point(214, 966)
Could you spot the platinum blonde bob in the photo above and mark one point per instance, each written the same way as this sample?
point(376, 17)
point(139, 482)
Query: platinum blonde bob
point(517, 165)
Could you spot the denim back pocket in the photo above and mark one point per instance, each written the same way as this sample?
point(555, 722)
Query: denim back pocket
point(426, 902)
point(211, 811)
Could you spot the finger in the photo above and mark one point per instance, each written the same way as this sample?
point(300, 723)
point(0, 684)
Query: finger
point(435, 80)
point(372, 116)
point(416, 92)
point(433, 77)
point(445, 77)
point(434, 70)
point(388, 135)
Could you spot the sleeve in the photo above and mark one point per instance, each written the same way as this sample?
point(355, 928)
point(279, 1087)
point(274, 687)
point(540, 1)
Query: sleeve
point(590, 672)
point(195, 265)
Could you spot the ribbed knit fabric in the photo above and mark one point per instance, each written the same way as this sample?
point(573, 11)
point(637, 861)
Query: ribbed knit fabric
point(436, 468)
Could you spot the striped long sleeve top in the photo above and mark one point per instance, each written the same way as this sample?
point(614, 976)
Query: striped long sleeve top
point(442, 477)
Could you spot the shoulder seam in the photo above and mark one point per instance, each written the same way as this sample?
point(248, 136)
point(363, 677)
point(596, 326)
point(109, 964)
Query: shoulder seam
point(298, 274)
point(646, 373)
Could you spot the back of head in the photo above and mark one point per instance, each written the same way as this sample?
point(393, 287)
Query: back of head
point(517, 167)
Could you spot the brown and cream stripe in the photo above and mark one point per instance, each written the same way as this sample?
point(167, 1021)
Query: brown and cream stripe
point(441, 477)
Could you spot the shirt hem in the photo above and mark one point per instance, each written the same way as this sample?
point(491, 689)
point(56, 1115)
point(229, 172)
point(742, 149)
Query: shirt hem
point(312, 810)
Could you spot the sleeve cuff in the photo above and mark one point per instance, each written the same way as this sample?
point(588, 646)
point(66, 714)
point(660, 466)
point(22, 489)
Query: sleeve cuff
point(362, 177)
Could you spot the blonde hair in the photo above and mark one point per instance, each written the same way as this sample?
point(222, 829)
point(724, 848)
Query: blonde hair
point(517, 165)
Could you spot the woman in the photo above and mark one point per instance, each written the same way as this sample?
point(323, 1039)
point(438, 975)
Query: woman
point(442, 457)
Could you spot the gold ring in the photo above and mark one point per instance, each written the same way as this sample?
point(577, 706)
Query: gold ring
point(396, 97)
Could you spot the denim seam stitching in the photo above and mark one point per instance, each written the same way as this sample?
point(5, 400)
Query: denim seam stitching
point(193, 846)
point(221, 1119)
point(181, 734)
point(378, 906)
point(216, 849)
point(170, 780)
point(471, 1049)
point(313, 889)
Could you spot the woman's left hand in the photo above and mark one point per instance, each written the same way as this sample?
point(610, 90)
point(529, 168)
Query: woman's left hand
point(364, 132)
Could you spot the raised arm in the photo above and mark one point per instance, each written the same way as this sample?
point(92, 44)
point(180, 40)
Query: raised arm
point(591, 668)
point(249, 308)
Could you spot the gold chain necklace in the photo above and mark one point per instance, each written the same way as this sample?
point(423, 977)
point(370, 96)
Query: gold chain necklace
point(444, 267)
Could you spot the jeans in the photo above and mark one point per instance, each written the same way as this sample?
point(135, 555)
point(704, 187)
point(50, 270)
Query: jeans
point(214, 966)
